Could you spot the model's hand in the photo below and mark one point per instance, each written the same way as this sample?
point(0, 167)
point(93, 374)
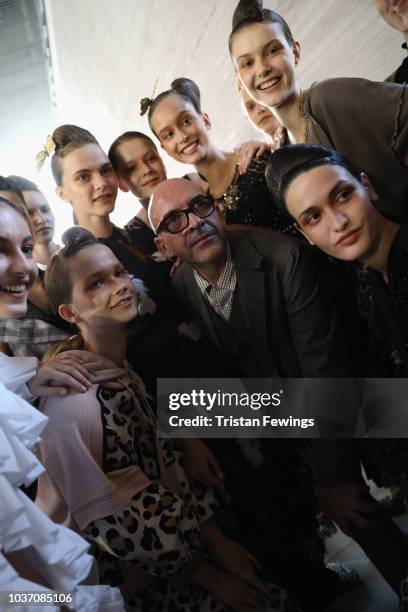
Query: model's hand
point(349, 505)
point(91, 361)
point(201, 463)
point(58, 377)
point(247, 151)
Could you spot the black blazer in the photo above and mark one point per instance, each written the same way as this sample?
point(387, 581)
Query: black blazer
point(290, 319)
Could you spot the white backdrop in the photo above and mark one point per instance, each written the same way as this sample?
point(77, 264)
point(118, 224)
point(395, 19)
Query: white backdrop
point(107, 54)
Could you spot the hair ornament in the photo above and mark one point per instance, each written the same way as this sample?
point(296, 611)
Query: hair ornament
point(145, 103)
point(46, 151)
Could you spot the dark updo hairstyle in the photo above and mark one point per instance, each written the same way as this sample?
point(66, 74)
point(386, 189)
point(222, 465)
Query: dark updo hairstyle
point(67, 138)
point(22, 184)
point(112, 153)
point(286, 163)
point(252, 11)
point(58, 281)
point(186, 89)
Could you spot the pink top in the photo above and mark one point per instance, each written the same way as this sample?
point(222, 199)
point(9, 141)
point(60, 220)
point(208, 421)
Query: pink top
point(75, 490)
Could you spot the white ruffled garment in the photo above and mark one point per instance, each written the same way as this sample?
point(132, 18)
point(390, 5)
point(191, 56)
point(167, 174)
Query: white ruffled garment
point(57, 553)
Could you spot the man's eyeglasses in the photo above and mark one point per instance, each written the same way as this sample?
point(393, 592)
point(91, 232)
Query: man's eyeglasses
point(175, 221)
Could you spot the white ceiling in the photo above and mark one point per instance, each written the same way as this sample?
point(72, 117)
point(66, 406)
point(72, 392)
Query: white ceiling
point(106, 55)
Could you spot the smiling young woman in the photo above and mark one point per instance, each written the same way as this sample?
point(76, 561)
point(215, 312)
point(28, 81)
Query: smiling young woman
point(183, 129)
point(366, 121)
point(33, 334)
point(47, 555)
point(18, 269)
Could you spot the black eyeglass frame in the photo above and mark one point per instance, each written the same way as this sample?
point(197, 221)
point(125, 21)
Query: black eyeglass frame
point(186, 211)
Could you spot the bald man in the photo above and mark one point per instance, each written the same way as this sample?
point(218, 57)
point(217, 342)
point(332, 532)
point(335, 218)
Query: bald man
point(256, 294)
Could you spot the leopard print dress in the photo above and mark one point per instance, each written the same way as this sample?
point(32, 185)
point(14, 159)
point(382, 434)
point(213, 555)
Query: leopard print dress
point(159, 530)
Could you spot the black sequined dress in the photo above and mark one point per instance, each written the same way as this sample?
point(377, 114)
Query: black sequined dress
point(247, 201)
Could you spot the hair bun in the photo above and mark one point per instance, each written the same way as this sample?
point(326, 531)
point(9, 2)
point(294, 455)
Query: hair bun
point(188, 89)
point(247, 9)
point(185, 88)
point(64, 135)
point(75, 237)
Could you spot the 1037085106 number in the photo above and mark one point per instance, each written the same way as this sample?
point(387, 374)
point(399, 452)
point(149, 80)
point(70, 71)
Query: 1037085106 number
point(35, 598)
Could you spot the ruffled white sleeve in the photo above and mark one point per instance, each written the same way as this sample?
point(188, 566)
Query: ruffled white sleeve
point(15, 372)
point(57, 553)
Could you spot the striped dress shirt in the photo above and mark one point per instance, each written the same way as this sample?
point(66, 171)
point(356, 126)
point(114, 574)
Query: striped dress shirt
point(221, 293)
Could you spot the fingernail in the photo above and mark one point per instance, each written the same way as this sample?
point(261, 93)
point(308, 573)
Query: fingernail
point(63, 392)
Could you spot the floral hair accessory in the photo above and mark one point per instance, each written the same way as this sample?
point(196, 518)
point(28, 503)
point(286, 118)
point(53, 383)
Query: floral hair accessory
point(46, 151)
point(145, 103)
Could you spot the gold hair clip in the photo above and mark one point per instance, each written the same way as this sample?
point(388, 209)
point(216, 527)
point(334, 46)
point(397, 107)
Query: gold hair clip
point(145, 103)
point(46, 151)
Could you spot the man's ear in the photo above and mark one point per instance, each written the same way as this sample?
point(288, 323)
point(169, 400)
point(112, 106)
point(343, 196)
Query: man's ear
point(369, 186)
point(122, 186)
point(163, 248)
point(68, 313)
point(207, 121)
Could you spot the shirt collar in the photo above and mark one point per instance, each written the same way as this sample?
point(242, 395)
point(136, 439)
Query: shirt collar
point(225, 279)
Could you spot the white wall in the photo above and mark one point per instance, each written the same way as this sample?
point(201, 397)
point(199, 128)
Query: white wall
point(108, 53)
